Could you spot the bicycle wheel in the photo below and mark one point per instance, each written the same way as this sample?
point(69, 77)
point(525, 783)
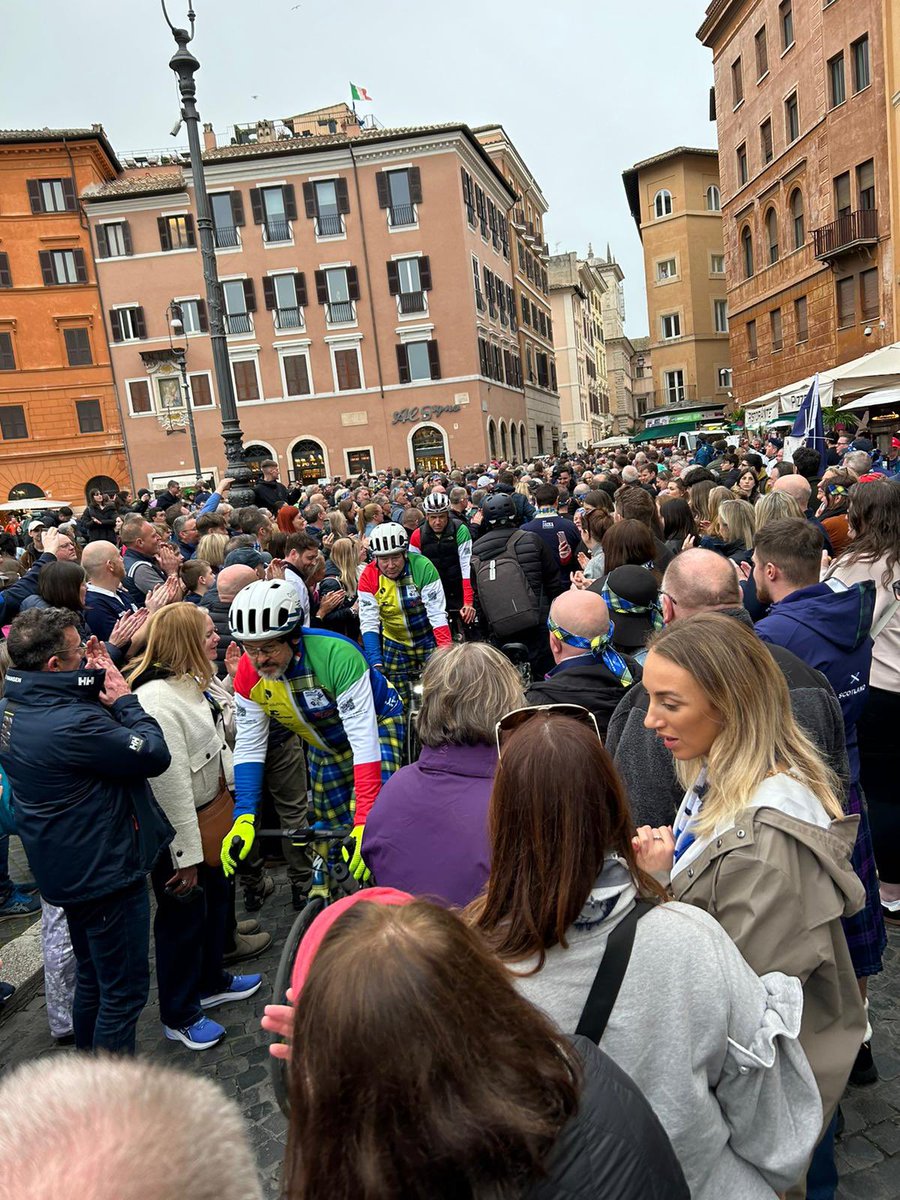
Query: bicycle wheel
point(278, 1067)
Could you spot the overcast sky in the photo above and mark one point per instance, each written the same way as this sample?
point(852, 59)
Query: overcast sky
point(585, 88)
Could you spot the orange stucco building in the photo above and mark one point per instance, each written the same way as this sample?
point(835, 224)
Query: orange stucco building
point(60, 431)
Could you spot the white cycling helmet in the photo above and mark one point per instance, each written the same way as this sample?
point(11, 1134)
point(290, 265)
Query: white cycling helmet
point(436, 503)
point(262, 611)
point(389, 538)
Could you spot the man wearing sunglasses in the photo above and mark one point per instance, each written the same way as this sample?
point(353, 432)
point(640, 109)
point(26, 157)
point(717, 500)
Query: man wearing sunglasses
point(587, 670)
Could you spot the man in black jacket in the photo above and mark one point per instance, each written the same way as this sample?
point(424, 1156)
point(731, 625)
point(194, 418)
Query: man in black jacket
point(703, 581)
point(270, 492)
point(587, 671)
point(538, 567)
point(78, 750)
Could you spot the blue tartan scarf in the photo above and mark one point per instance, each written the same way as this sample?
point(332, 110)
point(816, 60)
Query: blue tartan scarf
point(616, 604)
point(600, 647)
point(689, 811)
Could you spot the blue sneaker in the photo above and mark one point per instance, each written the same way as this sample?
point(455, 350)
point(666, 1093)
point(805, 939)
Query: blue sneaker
point(240, 988)
point(202, 1035)
point(17, 904)
point(27, 887)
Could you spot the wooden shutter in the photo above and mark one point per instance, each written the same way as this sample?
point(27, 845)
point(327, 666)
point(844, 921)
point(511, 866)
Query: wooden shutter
point(80, 266)
point(102, 242)
point(384, 192)
point(246, 384)
point(202, 316)
point(237, 209)
point(139, 391)
point(321, 287)
point(249, 295)
point(353, 283)
point(126, 238)
point(5, 275)
point(507, 365)
point(140, 326)
point(256, 205)
point(201, 393)
point(868, 289)
point(343, 195)
point(46, 261)
point(35, 198)
point(269, 299)
point(402, 364)
point(189, 229)
point(393, 278)
point(434, 360)
point(115, 324)
point(425, 273)
point(845, 302)
point(347, 365)
point(162, 225)
point(69, 199)
point(290, 202)
point(300, 286)
point(296, 375)
point(310, 200)
point(415, 185)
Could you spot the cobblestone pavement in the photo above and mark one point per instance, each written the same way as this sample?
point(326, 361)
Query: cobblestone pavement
point(19, 870)
point(868, 1154)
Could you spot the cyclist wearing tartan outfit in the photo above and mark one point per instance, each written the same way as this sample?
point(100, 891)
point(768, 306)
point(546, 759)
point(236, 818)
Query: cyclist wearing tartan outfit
point(318, 685)
point(402, 608)
point(447, 542)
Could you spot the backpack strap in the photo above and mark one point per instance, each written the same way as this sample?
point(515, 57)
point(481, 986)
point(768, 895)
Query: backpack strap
point(610, 974)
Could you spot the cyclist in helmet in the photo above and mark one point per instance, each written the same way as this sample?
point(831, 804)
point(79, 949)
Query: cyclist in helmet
point(318, 684)
point(402, 608)
point(446, 541)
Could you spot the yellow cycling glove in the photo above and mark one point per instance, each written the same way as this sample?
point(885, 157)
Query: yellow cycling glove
point(353, 857)
point(244, 829)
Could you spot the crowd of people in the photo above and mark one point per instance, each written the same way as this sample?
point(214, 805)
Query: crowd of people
point(630, 891)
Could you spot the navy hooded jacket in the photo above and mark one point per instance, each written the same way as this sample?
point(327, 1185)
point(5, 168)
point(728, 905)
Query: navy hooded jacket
point(827, 625)
point(78, 770)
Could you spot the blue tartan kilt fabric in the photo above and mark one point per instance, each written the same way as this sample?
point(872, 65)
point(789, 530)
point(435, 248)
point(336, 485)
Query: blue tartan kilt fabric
point(866, 935)
point(331, 774)
point(404, 664)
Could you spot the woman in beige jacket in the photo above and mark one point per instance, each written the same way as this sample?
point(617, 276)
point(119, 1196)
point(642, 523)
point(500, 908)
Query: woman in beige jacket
point(172, 681)
point(760, 841)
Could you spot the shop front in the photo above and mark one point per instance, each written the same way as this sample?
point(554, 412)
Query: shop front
point(308, 459)
point(429, 449)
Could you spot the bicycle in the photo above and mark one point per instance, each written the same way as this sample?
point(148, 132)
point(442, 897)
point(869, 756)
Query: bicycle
point(330, 881)
point(412, 746)
point(517, 653)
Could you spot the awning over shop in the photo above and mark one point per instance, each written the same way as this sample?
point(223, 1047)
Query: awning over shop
point(877, 369)
point(875, 399)
point(664, 431)
point(785, 421)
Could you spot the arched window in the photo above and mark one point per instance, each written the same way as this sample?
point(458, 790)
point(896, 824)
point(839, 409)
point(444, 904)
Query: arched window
point(662, 203)
point(492, 439)
point(429, 449)
point(308, 459)
point(513, 441)
point(255, 456)
point(772, 235)
point(504, 452)
point(26, 491)
point(747, 252)
point(523, 442)
point(713, 198)
point(100, 483)
point(797, 218)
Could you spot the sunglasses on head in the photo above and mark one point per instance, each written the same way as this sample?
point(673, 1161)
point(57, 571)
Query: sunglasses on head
point(521, 716)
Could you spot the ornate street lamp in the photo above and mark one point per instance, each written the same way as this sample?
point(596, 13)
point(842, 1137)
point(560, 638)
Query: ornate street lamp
point(175, 319)
point(185, 66)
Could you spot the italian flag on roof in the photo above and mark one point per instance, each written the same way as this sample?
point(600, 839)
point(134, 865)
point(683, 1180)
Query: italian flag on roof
point(358, 93)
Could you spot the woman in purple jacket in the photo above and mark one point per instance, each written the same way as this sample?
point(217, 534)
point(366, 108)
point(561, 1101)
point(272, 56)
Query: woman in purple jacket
point(427, 832)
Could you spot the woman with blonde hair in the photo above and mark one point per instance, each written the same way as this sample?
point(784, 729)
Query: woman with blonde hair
point(338, 523)
point(427, 831)
point(342, 572)
point(212, 548)
point(171, 680)
point(731, 530)
point(760, 840)
point(773, 506)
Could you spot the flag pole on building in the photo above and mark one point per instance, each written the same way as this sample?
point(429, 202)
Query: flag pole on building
point(358, 93)
point(809, 426)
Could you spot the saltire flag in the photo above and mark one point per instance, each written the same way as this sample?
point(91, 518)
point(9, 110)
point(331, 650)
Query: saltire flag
point(358, 93)
point(809, 425)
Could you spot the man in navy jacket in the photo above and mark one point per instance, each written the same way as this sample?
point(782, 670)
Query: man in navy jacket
point(78, 750)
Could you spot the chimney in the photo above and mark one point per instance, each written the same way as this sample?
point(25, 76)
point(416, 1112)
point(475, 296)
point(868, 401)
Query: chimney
point(209, 137)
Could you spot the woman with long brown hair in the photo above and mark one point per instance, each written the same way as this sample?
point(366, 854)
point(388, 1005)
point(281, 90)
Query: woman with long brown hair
point(711, 1045)
point(629, 543)
point(436, 1081)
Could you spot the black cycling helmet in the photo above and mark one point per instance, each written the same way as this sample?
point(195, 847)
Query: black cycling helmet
point(498, 508)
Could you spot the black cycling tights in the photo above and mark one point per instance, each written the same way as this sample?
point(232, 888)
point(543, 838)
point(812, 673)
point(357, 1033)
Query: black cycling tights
point(877, 731)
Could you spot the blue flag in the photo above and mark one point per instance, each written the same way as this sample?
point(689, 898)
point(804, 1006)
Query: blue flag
point(809, 424)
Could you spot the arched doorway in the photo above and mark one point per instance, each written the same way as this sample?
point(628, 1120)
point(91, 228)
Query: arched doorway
point(26, 491)
point(100, 483)
point(308, 458)
point(429, 449)
point(513, 441)
point(255, 455)
point(504, 452)
point(492, 439)
point(523, 442)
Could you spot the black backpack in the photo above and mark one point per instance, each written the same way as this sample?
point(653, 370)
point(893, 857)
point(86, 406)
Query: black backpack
point(504, 593)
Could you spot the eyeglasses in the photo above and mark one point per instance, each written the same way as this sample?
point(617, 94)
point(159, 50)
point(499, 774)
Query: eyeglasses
point(521, 716)
point(670, 597)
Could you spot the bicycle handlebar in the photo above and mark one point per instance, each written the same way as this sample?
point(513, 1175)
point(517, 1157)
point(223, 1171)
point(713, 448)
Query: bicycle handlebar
point(307, 833)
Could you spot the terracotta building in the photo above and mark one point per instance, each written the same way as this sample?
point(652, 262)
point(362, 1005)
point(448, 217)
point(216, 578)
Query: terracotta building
point(576, 291)
point(642, 376)
point(675, 202)
point(532, 292)
point(60, 432)
point(802, 111)
point(368, 287)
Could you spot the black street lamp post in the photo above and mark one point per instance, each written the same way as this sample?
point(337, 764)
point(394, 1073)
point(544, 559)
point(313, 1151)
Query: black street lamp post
point(185, 66)
point(179, 353)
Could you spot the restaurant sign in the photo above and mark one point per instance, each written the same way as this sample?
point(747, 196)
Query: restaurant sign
point(427, 412)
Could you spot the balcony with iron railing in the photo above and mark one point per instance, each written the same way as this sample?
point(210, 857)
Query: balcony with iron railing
point(340, 312)
point(329, 225)
point(851, 231)
point(412, 302)
point(402, 214)
point(277, 230)
point(289, 318)
point(238, 323)
point(226, 236)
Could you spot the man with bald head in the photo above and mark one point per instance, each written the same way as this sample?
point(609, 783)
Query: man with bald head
point(801, 489)
point(700, 581)
point(586, 671)
point(217, 602)
point(106, 599)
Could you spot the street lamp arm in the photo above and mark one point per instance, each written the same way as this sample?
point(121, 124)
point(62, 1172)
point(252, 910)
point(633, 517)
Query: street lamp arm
point(192, 16)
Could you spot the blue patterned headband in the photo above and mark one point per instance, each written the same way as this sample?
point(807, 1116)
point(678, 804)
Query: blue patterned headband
point(600, 647)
